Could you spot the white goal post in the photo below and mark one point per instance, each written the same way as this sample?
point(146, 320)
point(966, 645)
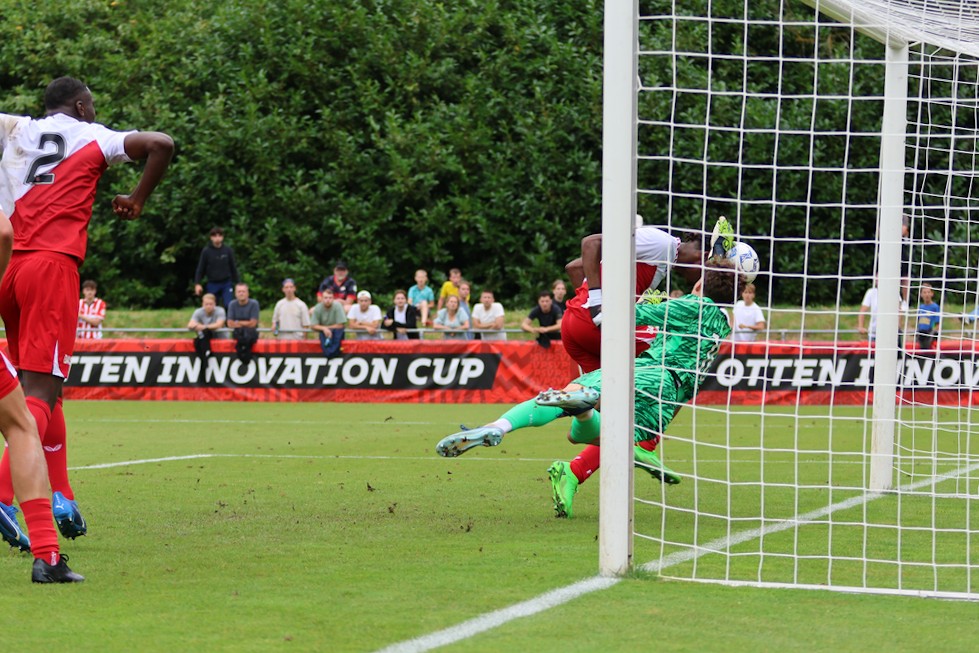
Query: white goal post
point(841, 138)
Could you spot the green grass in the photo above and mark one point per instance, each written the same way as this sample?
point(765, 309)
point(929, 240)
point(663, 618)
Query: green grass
point(334, 527)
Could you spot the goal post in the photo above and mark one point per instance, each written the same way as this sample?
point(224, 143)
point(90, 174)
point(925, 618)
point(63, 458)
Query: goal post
point(618, 248)
point(841, 139)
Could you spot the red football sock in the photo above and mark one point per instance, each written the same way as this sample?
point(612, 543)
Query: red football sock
point(40, 528)
point(649, 445)
point(6, 481)
point(586, 463)
point(56, 452)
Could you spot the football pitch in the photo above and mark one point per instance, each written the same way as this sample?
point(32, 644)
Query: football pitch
point(335, 527)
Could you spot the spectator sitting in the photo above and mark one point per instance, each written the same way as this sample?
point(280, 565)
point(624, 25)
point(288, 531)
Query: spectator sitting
point(329, 319)
point(91, 313)
point(365, 316)
point(548, 315)
point(450, 287)
point(421, 296)
point(343, 286)
point(559, 293)
point(676, 293)
point(487, 317)
point(452, 320)
point(748, 316)
point(465, 289)
point(929, 317)
point(205, 323)
point(217, 264)
point(242, 316)
point(402, 318)
point(290, 318)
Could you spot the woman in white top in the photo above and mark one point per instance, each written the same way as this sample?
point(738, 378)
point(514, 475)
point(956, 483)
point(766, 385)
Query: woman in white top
point(748, 317)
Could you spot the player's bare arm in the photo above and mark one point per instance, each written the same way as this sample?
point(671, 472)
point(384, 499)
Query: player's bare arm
point(576, 272)
point(157, 149)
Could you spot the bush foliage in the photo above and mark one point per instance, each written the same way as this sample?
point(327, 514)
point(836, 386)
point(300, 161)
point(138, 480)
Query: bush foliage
point(394, 134)
point(398, 134)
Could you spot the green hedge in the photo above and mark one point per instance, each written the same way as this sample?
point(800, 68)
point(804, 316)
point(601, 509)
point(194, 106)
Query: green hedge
point(398, 134)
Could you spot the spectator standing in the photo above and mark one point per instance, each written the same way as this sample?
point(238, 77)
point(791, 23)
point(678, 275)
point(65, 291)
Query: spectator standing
point(365, 316)
point(869, 305)
point(929, 317)
point(217, 264)
point(243, 321)
point(548, 315)
point(91, 313)
point(559, 293)
point(748, 316)
point(465, 307)
point(342, 284)
point(488, 316)
point(450, 287)
point(328, 320)
point(205, 323)
point(421, 296)
point(402, 318)
point(452, 320)
point(290, 318)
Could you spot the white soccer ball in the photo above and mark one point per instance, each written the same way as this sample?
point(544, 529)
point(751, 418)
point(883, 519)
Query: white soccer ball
point(745, 259)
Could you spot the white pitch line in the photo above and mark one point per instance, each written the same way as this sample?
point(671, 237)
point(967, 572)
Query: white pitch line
point(477, 459)
point(491, 620)
point(392, 422)
point(555, 598)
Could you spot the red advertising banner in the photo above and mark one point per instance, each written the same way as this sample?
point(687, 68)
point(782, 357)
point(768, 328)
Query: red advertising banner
point(436, 371)
point(371, 371)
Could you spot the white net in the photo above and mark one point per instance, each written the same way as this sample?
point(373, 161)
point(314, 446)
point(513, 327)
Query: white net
point(771, 113)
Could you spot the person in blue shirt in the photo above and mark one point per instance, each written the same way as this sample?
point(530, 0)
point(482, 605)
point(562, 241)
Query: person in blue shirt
point(929, 318)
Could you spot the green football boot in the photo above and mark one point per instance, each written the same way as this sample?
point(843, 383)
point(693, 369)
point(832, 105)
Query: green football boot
point(650, 462)
point(563, 488)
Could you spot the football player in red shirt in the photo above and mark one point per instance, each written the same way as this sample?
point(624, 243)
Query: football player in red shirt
point(51, 167)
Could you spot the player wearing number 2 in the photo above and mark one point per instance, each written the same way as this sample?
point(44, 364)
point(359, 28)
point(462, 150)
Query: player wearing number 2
point(667, 375)
point(50, 169)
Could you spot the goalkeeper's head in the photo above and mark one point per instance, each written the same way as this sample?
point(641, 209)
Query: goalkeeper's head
point(722, 283)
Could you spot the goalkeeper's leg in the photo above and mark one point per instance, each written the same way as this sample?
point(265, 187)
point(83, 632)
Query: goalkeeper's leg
point(523, 415)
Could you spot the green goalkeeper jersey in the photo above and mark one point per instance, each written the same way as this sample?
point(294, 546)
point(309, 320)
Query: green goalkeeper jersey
point(691, 329)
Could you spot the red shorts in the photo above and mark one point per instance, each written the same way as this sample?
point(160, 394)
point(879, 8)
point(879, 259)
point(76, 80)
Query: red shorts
point(8, 377)
point(582, 339)
point(39, 307)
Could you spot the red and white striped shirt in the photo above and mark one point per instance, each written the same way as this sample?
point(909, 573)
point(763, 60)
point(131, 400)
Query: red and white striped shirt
point(95, 309)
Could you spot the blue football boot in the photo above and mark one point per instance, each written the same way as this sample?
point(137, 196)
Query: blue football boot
point(66, 515)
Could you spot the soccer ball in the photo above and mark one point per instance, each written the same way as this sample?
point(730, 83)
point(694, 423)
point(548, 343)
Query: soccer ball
point(745, 259)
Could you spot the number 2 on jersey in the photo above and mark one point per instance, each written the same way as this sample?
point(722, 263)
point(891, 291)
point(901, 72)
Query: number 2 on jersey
point(51, 158)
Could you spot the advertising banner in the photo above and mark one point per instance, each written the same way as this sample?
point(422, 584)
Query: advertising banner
point(370, 371)
point(435, 371)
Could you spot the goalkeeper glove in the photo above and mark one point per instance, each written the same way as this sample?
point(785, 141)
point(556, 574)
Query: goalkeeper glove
point(722, 239)
point(652, 296)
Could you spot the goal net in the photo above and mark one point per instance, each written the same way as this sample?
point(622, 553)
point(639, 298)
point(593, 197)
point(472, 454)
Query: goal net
point(840, 139)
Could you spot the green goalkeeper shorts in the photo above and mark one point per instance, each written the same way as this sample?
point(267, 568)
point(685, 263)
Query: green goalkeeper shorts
point(656, 398)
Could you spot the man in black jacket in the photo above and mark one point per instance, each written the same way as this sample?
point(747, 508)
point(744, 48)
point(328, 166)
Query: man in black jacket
point(217, 264)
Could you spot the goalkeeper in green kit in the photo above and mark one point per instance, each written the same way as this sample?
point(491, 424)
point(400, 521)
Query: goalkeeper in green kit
point(667, 375)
